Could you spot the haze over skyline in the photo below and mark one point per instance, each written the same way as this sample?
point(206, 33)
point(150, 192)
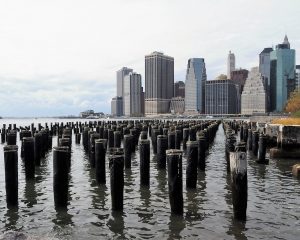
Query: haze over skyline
point(60, 57)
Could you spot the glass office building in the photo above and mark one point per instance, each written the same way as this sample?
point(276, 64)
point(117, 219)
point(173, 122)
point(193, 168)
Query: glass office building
point(282, 77)
point(195, 85)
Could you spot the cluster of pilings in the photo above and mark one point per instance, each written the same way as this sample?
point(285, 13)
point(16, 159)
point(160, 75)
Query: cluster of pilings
point(112, 141)
point(240, 138)
point(34, 145)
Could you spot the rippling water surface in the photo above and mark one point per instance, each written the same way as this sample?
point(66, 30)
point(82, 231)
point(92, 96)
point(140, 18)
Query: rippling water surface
point(273, 201)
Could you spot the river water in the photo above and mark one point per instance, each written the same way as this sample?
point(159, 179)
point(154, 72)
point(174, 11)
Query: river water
point(273, 201)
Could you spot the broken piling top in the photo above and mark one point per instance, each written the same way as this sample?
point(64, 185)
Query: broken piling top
point(238, 162)
point(296, 170)
point(173, 152)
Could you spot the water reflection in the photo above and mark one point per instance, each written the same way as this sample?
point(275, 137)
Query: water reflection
point(161, 178)
point(12, 217)
point(116, 224)
point(145, 214)
point(63, 218)
point(196, 199)
point(237, 229)
point(30, 194)
point(176, 225)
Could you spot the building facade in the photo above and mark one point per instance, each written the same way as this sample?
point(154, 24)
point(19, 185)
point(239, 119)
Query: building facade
point(254, 97)
point(265, 70)
point(239, 77)
point(195, 85)
point(221, 97)
point(117, 106)
point(132, 95)
point(120, 80)
point(159, 83)
point(179, 89)
point(282, 75)
point(297, 77)
point(230, 64)
point(177, 105)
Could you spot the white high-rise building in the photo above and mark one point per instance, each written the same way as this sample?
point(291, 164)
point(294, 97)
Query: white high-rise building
point(195, 85)
point(254, 94)
point(133, 94)
point(230, 64)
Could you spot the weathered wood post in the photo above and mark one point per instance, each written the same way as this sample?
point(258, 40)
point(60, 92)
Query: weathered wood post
point(249, 140)
point(117, 139)
point(11, 138)
point(155, 133)
point(116, 167)
point(127, 150)
point(11, 174)
point(191, 167)
point(162, 146)
point(144, 162)
point(28, 144)
point(61, 156)
point(201, 152)
point(262, 148)
point(174, 163)
point(239, 182)
point(100, 150)
point(255, 138)
point(171, 140)
point(185, 138)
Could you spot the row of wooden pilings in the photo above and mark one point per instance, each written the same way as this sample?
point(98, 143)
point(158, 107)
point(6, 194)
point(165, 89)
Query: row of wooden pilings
point(235, 153)
point(103, 140)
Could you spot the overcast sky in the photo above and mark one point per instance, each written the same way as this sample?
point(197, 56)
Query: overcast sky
point(60, 57)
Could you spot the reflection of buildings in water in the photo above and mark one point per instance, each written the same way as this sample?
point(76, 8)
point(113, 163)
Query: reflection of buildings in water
point(12, 217)
point(176, 225)
point(116, 224)
point(30, 193)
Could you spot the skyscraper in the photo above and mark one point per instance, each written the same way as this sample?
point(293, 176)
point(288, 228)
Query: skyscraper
point(195, 85)
point(282, 76)
point(179, 89)
point(159, 83)
point(120, 83)
point(132, 94)
point(230, 64)
point(254, 94)
point(120, 79)
point(265, 70)
point(117, 106)
point(221, 97)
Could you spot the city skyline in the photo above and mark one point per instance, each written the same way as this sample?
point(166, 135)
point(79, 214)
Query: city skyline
point(65, 64)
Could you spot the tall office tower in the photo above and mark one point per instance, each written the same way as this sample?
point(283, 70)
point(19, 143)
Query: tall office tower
point(265, 70)
point(282, 76)
point(159, 83)
point(142, 101)
point(221, 97)
point(132, 94)
point(297, 77)
point(254, 94)
point(239, 77)
point(117, 106)
point(120, 83)
point(195, 85)
point(230, 64)
point(179, 89)
point(120, 79)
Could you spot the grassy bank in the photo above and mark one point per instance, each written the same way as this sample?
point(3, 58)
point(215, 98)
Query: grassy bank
point(288, 121)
